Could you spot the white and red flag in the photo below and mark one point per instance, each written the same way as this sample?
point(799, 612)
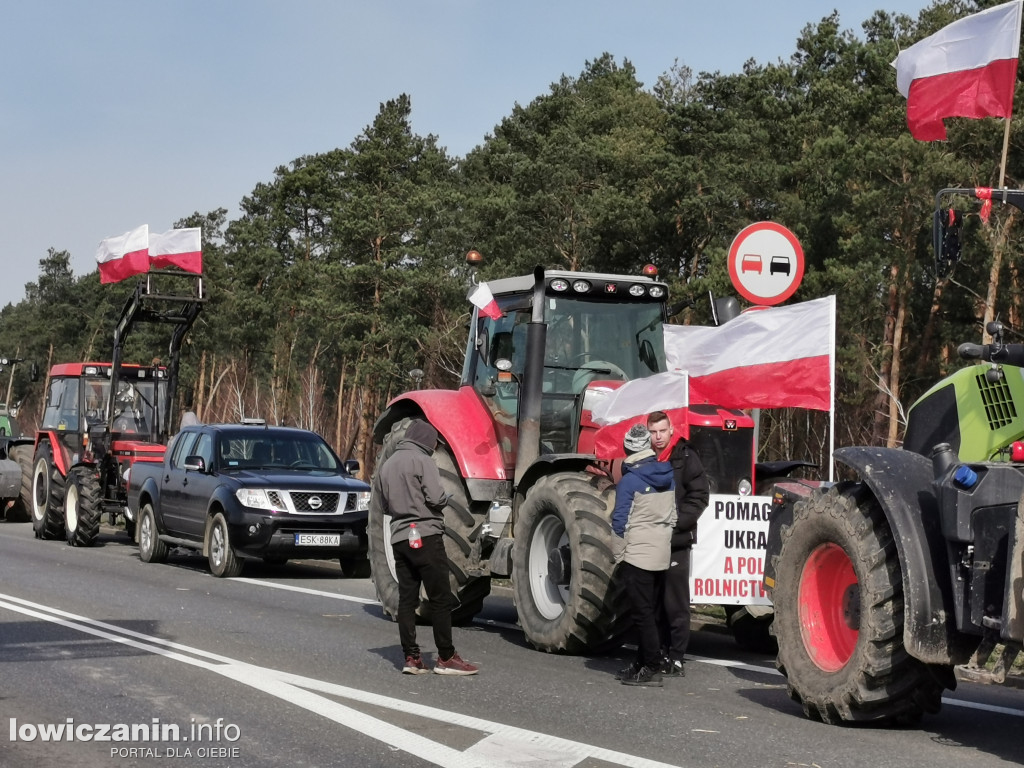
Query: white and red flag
point(482, 298)
point(123, 256)
point(777, 357)
point(179, 248)
point(966, 69)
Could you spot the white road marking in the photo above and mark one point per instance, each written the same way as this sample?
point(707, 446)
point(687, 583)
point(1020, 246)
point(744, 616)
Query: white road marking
point(544, 749)
point(728, 663)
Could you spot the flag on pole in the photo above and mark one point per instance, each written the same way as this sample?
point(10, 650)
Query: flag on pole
point(777, 357)
point(482, 298)
point(966, 69)
point(179, 248)
point(123, 256)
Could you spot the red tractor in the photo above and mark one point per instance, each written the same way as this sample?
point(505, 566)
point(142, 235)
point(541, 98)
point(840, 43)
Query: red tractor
point(529, 498)
point(100, 418)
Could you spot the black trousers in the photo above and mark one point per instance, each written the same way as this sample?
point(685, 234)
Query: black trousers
point(674, 613)
point(642, 590)
point(428, 566)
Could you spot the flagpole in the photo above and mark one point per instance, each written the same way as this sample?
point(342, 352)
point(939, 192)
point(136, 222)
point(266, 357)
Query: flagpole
point(1006, 146)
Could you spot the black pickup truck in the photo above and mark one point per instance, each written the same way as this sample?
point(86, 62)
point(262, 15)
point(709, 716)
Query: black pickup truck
point(248, 490)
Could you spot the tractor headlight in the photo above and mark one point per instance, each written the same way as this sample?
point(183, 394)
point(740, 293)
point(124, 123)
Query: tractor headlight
point(745, 488)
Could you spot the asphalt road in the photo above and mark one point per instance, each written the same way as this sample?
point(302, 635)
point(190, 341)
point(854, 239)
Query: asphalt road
point(297, 666)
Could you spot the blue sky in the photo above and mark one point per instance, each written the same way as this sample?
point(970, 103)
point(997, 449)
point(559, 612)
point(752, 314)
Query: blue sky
point(116, 113)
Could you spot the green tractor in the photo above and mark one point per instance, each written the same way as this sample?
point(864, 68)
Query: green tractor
point(889, 588)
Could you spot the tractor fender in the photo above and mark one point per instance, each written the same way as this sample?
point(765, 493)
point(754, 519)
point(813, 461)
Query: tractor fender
point(462, 420)
point(61, 459)
point(901, 481)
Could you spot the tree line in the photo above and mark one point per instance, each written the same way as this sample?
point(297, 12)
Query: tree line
point(345, 271)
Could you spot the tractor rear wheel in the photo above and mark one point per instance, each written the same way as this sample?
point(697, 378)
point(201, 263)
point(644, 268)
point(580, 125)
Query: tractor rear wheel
point(21, 509)
point(839, 614)
point(82, 507)
point(47, 496)
point(461, 539)
point(562, 565)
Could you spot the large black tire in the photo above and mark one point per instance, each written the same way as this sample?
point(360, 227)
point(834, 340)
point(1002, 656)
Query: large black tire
point(47, 496)
point(752, 633)
point(223, 561)
point(354, 567)
point(562, 565)
point(151, 548)
point(82, 507)
point(461, 539)
point(839, 614)
point(21, 510)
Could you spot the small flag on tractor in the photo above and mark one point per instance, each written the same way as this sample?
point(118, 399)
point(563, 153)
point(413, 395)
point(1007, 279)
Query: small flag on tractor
point(482, 298)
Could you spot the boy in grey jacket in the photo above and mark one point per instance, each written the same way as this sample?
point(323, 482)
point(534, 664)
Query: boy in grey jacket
point(642, 523)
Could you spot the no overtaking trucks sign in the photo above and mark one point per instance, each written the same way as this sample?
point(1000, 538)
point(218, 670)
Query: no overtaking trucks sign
point(766, 263)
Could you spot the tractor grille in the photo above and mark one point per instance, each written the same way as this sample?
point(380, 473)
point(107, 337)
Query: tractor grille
point(309, 502)
point(995, 396)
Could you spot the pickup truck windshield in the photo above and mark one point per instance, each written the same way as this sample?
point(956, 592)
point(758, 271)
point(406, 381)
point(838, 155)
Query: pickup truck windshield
point(257, 451)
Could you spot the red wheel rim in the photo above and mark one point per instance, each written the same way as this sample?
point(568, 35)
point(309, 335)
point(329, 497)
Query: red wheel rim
point(829, 603)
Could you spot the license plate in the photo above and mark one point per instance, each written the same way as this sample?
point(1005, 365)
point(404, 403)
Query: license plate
point(317, 539)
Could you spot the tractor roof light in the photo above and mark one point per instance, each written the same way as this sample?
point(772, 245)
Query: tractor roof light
point(474, 258)
point(581, 286)
point(636, 290)
point(559, 284)
point(657, 291)
point(649, 270)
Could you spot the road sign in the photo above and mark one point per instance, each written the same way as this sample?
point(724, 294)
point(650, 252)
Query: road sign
point(766, 263)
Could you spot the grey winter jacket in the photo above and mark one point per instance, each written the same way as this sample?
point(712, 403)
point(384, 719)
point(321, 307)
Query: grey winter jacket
point(646, 491)
point(411, 491)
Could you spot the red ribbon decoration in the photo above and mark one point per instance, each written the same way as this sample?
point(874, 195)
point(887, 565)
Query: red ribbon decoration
point(984, 193)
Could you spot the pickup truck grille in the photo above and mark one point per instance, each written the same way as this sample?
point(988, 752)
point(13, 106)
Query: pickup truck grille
point(310, 502)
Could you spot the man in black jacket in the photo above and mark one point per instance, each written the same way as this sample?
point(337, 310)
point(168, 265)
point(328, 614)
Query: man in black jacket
point(411, 491)
point(692, 494)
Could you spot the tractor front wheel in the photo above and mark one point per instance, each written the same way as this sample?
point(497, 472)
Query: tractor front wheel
point(562, 565)
point(839, 614)
point(82, 508)
point(47, 496)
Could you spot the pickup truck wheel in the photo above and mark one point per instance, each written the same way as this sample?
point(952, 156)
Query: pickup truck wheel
point(562, 565)
point(461, 539)
point(839, 614)
point(223, 562)
point(47, 496)
point(151, 548)
point(82, 508)
point(21, 510)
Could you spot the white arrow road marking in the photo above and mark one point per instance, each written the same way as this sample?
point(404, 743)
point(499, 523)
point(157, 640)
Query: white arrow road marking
point(505, 746)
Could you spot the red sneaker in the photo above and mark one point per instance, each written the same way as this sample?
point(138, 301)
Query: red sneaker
point(414, 666)
point(454, 666)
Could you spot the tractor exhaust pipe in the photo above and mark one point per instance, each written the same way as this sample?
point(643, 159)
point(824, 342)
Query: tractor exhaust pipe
point(533, 381)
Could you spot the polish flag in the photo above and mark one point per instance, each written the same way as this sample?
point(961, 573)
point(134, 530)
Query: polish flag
point(777, 357)
point(966, 69)
point(123, 256)
point(179, 248)
point(483, 299)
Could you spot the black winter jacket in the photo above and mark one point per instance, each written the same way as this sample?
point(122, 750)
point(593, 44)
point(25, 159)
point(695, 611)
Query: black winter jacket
point(692, 492)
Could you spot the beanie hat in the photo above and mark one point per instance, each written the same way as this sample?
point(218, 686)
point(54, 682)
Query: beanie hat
point(637, 439)
point(422, 433)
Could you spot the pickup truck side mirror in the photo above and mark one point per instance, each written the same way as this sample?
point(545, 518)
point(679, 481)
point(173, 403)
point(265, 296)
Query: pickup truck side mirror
point(197, 463)
point(352, 466)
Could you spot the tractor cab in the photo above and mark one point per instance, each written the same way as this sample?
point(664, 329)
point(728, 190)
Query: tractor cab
point(597, 330)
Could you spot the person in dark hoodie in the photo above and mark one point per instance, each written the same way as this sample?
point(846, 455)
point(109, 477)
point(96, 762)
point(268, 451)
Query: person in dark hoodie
point(692, 494)
point(642, 522)
point(412, 494)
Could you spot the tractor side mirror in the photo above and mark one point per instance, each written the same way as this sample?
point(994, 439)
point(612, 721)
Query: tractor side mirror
point(33, 373)
point(946, 231)
point(725, 309)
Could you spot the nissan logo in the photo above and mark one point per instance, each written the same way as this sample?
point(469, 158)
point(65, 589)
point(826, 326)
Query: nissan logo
point(315, 502)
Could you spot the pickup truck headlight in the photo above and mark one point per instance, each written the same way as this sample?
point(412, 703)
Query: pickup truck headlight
point(362, 501)
point(256, 498)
